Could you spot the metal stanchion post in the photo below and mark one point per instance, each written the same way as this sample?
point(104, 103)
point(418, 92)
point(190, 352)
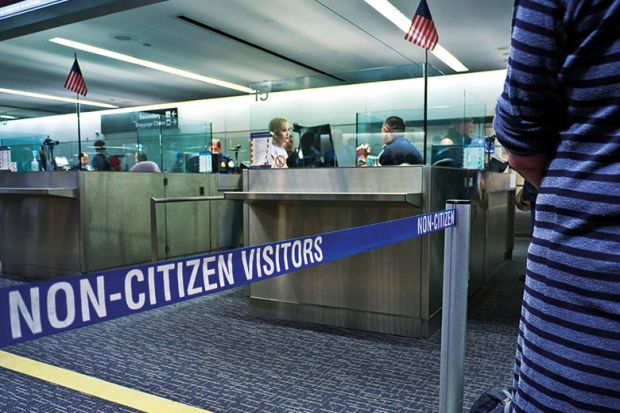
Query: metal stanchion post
point(454, 309)
point(154, 249)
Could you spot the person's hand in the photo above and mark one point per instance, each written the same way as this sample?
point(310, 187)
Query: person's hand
point(532, 168)
point(362, 151)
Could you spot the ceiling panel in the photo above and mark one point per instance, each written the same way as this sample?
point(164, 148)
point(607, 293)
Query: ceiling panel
point(471, 30)
point(304, 30)
point(333, 36)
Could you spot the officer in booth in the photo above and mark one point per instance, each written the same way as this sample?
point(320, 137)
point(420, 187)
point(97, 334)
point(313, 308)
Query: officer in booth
point(397, 149)
point(222, 163)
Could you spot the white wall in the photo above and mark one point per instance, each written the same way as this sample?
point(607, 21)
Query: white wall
point(336, 105)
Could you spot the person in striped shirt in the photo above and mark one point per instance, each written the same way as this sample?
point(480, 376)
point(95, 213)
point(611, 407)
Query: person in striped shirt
point(559, 117)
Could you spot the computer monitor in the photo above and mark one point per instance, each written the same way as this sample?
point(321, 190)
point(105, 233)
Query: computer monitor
point(447, 155)
point(317, 146)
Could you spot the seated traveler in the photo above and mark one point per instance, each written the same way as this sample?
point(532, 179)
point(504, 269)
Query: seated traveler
point(83, 163)
point(179, 163)
point(397, 150)
point(459, 133)
point(143, 164)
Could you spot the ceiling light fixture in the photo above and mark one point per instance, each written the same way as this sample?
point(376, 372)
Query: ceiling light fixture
point(8, 117)
point(58, 98)
point(448, 58)
point(147, 63)
point(390, 12)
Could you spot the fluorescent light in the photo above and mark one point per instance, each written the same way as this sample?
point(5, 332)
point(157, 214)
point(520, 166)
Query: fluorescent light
point(7, 117)
point(448, 58)
point(149, 64)
point(58, 98)
point(390, 12)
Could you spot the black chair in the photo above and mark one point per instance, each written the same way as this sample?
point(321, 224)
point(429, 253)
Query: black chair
point(447, 155)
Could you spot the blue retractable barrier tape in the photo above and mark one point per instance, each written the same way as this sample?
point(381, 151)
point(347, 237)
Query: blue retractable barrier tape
point(32, 310)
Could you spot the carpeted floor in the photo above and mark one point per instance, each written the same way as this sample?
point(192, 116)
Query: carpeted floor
point(211, 353)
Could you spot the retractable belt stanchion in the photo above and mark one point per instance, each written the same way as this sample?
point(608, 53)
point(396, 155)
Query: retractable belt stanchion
point(454, 309)
point(32, 310)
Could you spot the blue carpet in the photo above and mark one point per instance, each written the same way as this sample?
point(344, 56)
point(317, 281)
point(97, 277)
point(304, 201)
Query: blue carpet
point(211, 353)
point(24, 394)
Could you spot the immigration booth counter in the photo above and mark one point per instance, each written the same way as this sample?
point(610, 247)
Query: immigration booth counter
point(395, 289)
point(57, 222)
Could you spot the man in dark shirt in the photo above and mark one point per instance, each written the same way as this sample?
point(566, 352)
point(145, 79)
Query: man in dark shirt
point(101, 161)
point(397, 150)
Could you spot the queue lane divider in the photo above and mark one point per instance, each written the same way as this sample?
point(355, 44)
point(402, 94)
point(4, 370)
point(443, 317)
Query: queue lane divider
point(38, 309)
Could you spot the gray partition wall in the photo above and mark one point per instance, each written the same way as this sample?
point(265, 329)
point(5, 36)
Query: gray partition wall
point(61, 223)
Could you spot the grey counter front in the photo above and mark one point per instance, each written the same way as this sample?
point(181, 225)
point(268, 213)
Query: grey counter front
point(62, 223)
point(395, 289)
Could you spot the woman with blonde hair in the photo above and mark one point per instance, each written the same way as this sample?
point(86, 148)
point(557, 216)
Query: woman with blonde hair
point(279, 128)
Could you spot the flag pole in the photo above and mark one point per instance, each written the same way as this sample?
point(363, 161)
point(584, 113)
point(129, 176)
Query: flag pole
point(425, 102)
point(77, 109)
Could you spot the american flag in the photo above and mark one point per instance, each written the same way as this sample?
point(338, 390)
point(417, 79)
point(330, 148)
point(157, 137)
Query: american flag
point(422, 31)
point(75, 81)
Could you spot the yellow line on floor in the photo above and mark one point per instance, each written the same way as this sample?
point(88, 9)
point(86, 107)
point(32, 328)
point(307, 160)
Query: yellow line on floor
point(94, 387)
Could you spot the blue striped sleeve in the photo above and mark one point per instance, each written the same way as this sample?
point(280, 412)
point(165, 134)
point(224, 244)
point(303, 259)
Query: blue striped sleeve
point(527, 117)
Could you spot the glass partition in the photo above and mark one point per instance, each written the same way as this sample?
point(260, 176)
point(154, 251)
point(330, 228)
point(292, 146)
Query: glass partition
point(475, 121)
point(370, 124)
point(451, 134)
point(181, 148)
point(66, 154)
point(235, 145)
point(337, 113)
point(174, 148)
point(455, 130)
point(310, 103)
point(23, 153)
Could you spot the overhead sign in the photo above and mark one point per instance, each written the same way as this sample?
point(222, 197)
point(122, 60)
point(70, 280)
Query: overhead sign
point(131, 122)
point(166, 118)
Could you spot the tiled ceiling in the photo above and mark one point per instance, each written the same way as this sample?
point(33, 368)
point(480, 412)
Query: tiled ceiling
point(305, 37)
